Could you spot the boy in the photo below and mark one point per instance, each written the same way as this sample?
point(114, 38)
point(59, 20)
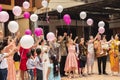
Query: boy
point(39, 64)
point(30, 66)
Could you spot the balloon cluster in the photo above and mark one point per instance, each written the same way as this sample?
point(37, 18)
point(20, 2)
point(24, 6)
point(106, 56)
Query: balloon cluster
point(101, 28)
point(67, 19)
point(26, 5)
point(37, 31)
point(101, 24)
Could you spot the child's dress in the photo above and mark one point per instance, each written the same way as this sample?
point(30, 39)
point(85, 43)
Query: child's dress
point(51, 75)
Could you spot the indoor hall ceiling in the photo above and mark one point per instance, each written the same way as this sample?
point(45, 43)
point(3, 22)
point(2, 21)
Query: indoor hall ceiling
point(102, 7)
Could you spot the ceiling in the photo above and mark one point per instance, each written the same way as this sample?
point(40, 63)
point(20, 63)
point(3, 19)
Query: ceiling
point(100, 8)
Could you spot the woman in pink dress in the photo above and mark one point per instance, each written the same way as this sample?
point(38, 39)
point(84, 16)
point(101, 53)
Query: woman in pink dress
point(71, 62)
point(11, 66)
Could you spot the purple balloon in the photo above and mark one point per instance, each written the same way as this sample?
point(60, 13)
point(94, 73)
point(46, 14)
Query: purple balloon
point(38, 31)
point(28, 32)
point(0, 8)
point(26, 15)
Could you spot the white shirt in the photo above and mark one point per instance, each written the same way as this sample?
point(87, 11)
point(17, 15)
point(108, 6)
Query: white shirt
point(3, 60)
point(30, 64)
point(38, 64)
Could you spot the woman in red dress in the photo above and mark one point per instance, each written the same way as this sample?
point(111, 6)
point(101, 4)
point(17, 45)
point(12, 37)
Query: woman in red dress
point(23, 57)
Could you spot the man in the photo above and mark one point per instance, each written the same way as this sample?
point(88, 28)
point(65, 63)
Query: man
point(101, 56)
point(62, 53)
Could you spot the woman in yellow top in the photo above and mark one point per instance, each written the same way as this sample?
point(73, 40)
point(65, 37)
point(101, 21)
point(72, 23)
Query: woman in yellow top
point(114, 54)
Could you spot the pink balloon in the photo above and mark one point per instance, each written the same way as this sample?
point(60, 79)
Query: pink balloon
point(66, 17)
point(17, 11)
point(89, 21)
point(28, 32)
point(101, 30)
point(0, 8)
point(50, 36)
point(4, 16)
point(26, 15)
point(26, 5)
point(38, 31)
point(68, 21)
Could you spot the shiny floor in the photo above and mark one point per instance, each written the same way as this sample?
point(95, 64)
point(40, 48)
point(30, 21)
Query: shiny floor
point(95, 76)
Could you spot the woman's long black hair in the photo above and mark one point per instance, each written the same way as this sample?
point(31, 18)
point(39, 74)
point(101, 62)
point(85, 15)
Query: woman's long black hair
point(56, 67)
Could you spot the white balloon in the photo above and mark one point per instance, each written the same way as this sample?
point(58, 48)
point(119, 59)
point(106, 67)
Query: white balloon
point(34, 17)
point(44, 3)
point(83, 15)
point(26, 41)
point(101, 24)
point(17, 10)
point(59, 8)
point(26, 4)
point(13, 26)
point(4, 16)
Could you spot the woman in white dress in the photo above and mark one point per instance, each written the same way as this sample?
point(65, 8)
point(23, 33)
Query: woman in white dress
point(90, 55)
point(45, 58)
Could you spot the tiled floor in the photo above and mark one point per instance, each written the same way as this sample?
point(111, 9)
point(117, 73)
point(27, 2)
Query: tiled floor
point(96, 76)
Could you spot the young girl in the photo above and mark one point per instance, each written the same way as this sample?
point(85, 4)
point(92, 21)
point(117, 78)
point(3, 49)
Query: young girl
point(54, 69)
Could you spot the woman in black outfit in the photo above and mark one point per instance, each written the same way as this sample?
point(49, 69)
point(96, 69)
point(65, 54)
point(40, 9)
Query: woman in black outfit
point(82, 56)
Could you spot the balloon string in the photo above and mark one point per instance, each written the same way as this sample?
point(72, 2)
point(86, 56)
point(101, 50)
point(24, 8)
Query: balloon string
point(90, 30)
point(83, 28)
point(61, 22)
point(68, 29)
point(2, 26)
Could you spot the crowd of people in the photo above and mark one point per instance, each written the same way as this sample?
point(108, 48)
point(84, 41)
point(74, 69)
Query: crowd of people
point(61, 57)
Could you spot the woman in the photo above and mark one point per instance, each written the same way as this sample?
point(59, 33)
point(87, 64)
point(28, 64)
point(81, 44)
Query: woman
point(90, 55)
point(45, 58)
point(82, 56)
point(23, 57)
point(114, 54)
point(4, 64)
point(11, 66)
point(71, 61)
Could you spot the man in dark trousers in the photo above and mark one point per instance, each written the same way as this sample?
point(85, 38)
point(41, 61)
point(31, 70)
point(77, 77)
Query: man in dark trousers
point(62, 53)
point(101, 56)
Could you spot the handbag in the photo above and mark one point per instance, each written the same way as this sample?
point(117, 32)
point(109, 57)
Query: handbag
point(83, 57)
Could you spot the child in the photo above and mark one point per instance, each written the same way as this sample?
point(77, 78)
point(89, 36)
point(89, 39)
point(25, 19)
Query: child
point(39, 64)
point(30, 66)
point(34, 55)
point(3, 62)
point(54, 69)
